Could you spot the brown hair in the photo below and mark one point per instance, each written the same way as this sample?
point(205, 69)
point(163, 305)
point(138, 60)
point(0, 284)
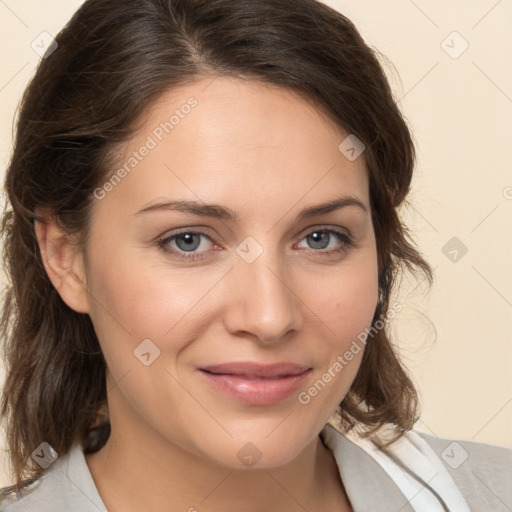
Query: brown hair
point(112, 61)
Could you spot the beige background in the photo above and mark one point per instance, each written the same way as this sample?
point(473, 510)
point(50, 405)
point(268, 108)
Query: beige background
point(460, 110)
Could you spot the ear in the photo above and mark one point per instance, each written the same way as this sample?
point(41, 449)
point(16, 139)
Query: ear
point(63, 260)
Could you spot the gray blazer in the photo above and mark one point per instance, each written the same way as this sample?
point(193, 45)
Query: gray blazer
point(484, 479)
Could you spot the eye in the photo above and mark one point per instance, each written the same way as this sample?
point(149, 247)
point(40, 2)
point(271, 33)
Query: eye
point(323, 238)
point(186, 242)
point(185, 245)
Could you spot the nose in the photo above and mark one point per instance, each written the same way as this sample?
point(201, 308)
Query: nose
point(263, 301)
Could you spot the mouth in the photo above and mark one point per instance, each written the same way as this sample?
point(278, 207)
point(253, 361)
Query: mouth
point(256, 384)
point(257, 370)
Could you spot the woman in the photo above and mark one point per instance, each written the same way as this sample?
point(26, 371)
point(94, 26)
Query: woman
point(202, 240)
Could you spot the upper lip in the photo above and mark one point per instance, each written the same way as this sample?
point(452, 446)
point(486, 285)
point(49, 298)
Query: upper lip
point(250, 369)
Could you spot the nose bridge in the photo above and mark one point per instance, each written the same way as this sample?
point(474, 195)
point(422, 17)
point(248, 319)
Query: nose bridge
point(263, 302)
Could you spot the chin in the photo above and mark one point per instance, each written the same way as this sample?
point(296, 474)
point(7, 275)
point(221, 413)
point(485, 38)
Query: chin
point(258, 451)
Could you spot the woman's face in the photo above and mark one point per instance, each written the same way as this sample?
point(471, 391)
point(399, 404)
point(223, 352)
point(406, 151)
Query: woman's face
point(174, 290)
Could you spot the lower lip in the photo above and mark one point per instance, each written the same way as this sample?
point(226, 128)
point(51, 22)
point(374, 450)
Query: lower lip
point(257, 391)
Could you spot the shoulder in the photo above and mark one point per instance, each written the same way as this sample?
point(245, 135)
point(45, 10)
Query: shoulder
point(466, 454)
point(482, 471)
point(66, 485)
point(468, 475)
point(28, 496)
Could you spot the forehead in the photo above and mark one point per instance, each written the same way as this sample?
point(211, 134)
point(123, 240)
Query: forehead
point(243, 143)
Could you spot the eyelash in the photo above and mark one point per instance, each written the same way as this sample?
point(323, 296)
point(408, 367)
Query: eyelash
point(347, 239)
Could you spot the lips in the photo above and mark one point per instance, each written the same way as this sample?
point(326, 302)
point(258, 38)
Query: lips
point(256, 384)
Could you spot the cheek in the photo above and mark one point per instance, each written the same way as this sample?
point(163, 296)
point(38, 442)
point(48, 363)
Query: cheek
point(347, 310)
point(346, 306)
point(144, 297)
point(136, 300)
point(347, 300)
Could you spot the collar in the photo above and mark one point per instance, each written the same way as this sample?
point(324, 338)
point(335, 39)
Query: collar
point(367, 485)
point(395, 477)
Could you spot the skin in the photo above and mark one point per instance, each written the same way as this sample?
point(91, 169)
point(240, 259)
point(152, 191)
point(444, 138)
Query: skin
point(265, 153)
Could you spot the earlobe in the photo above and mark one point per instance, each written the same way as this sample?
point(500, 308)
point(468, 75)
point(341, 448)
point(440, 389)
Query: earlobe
point(62, 260)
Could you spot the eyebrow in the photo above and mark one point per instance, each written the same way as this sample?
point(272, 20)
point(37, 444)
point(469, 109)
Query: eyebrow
point(223, 213)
